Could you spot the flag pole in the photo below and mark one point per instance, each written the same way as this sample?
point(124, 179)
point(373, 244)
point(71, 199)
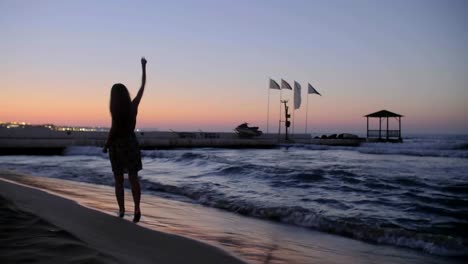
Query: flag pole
point(279, 123)
point(307, 111)
point(268, 108)
point(294, 110)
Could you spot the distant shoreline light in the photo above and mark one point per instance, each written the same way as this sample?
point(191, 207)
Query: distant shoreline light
point(12, 125)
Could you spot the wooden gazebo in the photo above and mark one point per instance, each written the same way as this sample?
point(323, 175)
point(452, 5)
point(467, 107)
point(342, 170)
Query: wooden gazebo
point(387, 134)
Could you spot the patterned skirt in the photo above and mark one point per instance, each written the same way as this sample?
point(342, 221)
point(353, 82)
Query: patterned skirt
point(124, 154)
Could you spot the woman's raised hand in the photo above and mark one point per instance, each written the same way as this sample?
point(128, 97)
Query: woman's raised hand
point(137, 99)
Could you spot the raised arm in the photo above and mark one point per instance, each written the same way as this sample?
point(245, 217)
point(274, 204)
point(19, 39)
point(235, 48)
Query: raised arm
point(137, 99)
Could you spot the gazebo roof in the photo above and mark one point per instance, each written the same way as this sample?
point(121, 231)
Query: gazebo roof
point(383, 113)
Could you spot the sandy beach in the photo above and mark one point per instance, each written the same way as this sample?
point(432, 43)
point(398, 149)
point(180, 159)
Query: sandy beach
point(85, 216)
point(27, 238)
point(40, 227)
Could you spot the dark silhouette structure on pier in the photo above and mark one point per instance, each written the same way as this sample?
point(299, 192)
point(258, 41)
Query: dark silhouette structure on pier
point(387, 134)
point(287, 123)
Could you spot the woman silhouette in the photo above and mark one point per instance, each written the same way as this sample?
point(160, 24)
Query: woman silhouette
point(124, 152)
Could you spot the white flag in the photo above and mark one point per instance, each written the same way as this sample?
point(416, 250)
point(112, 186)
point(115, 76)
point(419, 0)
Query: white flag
point(297, 95)
point(285, 85)
point(312, 90)
point(274, 85)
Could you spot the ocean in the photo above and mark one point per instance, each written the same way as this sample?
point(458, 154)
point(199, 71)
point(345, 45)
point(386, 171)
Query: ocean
point(412, 195)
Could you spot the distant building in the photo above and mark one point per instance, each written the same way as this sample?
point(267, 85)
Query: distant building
point(11, 125)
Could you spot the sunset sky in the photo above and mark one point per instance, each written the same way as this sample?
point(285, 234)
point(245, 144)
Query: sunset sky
point(209, 62)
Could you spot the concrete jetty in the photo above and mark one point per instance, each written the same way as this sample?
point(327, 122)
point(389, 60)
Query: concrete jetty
point(42, 140)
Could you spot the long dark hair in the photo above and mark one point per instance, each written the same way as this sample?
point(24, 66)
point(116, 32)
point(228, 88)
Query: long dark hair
point(120, 104)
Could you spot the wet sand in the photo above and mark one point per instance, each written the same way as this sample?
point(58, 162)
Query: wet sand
point(40, 227)
point(26, 238)
point(253, 240)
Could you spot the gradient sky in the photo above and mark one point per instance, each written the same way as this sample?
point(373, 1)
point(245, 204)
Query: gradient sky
point(209, 62)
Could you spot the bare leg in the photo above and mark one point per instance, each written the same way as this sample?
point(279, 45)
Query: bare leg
point(136, 192)
point(119, 192)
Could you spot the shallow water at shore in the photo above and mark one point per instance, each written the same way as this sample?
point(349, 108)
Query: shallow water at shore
point(253, 240)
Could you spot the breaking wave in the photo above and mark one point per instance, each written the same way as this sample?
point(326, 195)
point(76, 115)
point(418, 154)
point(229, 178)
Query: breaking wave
point(454, 148)
point(389, 234)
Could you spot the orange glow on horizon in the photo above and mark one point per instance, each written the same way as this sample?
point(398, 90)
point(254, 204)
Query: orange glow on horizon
point(168, 106)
